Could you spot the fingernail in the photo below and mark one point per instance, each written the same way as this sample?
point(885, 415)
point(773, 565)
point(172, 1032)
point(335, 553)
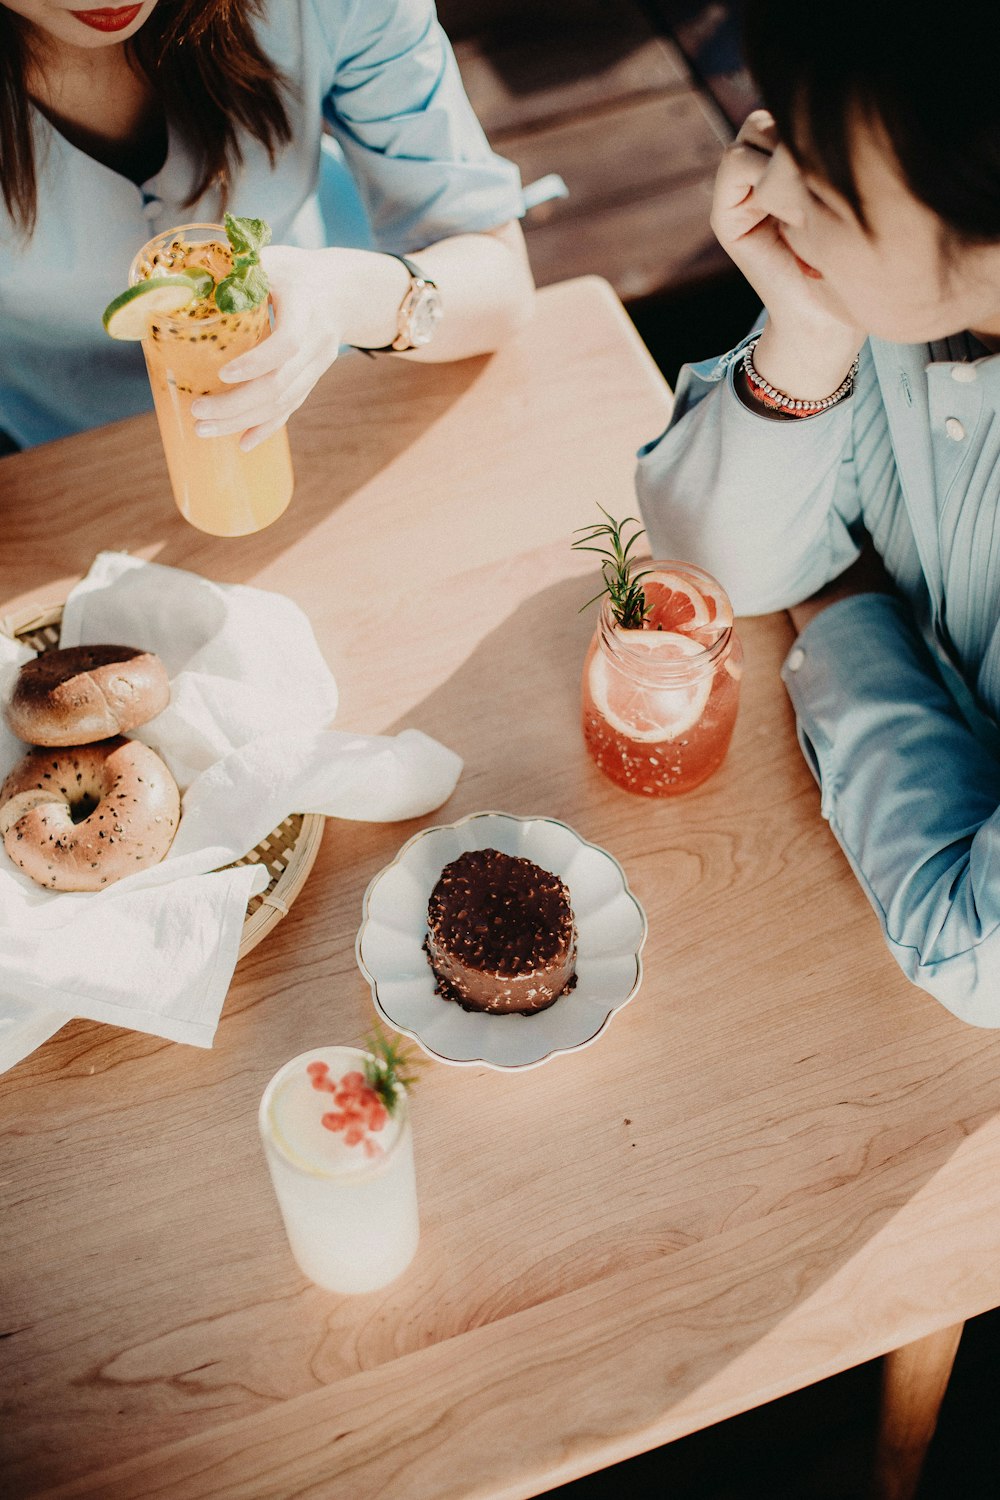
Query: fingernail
point(246, 443)
point(231, 372)
point(205, 429)
point(197, 409)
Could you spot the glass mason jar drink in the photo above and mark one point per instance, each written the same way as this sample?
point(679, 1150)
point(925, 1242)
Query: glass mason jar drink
point(217, 487)
point(659, 703)
point(342, 1169)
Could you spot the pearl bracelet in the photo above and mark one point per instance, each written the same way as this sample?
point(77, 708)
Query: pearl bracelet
point(769, 395)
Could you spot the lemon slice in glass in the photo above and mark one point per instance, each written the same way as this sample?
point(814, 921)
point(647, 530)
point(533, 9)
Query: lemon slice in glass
point(127, 315)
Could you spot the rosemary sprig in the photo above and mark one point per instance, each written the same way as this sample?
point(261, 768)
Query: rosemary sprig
point(622, 586)
point(391, 1066)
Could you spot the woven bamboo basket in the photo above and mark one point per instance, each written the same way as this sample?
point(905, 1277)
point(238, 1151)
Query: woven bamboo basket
point(287, 853)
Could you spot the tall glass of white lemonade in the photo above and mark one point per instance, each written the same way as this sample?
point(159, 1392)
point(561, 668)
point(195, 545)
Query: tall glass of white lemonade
point(342, 1169)
point(217, 486)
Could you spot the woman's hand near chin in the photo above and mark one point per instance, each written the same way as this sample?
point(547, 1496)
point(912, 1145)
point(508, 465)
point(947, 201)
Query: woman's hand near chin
point(807, 346)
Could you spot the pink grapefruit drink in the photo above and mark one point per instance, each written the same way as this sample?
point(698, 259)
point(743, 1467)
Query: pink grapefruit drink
point(217, 487)
point(660, 702)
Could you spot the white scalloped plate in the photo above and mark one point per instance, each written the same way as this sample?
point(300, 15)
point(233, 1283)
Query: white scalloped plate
point(611, 931)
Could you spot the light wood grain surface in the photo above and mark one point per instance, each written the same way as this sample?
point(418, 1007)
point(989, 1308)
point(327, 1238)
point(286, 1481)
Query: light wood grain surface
point(778, 1161)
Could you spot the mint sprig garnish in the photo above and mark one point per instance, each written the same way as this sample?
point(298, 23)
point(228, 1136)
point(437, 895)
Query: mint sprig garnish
point(246, 286)
point(247, 235)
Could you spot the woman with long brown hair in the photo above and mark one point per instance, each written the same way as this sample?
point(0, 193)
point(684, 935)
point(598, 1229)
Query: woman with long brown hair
point(117, 123)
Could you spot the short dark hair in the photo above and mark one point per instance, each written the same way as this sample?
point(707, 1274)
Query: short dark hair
point(206, 65)
point(926, 79)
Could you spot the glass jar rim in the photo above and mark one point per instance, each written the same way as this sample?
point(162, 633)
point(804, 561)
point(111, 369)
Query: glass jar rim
point(180, 322)
point(203, 230)
point(640, 662)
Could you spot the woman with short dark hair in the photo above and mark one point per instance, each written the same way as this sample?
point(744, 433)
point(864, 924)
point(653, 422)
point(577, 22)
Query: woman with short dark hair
point(119, 123)
point(844, 460)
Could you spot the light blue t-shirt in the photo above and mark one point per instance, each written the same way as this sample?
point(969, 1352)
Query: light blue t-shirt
point(897, 697)
point(380, 72)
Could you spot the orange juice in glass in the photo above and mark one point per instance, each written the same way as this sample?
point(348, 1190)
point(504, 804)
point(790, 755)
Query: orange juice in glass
point(217, 487)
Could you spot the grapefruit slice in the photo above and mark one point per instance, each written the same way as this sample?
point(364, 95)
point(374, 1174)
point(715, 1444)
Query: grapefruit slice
point(649, 714)
point(720, 611)
point(673, 602)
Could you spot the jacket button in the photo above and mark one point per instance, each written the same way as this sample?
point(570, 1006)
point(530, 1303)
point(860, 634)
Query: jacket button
point(795, 659)
point(964, 374)
point(954, 429)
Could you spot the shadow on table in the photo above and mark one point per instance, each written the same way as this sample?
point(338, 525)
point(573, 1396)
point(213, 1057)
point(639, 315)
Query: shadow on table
point(138, 513)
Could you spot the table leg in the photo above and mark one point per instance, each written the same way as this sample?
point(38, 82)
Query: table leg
point(914, 1380)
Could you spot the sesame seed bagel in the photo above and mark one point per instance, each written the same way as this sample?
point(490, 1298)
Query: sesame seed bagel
point(80, 818)
point(79, 694)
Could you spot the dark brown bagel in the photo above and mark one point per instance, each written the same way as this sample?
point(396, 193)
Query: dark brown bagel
point(80, 818)
point(77, 695)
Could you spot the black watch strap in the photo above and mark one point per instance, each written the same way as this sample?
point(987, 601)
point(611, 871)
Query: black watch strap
point(417, 275)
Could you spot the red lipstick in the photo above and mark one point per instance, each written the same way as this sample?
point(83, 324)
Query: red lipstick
point(111, 19)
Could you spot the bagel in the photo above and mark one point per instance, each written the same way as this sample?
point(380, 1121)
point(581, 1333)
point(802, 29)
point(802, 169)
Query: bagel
point(77, 695)
point(80, 818)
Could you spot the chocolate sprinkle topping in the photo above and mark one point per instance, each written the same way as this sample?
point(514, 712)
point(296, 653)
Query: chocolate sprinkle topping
point(501, 933)
point(500, 913)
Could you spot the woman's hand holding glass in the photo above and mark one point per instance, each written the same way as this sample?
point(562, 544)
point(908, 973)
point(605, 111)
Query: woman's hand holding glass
point(314, 294)
point(326, 299)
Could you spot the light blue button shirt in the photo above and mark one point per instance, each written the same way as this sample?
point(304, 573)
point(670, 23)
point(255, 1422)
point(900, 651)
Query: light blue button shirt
point(381, 73)
point(897, 699)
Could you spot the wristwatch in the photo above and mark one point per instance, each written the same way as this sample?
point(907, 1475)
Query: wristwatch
point(419, 312)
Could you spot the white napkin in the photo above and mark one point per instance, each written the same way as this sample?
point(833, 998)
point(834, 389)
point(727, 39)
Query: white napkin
point(245, 739)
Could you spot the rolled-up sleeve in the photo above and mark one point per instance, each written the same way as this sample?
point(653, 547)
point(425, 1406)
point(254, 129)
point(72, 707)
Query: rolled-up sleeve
point(910, 793)
point(770, 508)
point(398, 108)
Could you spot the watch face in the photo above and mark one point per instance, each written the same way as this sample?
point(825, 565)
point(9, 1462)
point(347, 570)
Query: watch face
point(423, 315)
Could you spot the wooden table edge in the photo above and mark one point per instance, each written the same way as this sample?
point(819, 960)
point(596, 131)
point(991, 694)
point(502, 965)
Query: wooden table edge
point(370, 1427)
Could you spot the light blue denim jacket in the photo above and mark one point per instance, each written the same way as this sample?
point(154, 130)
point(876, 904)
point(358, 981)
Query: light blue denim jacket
point(383, 76)
point(897, 700)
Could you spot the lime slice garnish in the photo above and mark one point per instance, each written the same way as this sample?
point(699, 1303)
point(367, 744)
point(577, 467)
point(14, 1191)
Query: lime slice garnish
point(127, 316)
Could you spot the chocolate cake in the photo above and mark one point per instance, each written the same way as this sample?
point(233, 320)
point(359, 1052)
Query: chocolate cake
point(501, 936)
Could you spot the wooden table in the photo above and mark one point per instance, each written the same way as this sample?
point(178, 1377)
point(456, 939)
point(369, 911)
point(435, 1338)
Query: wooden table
point(778, 1161)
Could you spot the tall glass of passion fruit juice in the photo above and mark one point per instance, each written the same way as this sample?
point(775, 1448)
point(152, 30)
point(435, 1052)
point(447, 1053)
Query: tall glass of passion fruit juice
point(217, 486)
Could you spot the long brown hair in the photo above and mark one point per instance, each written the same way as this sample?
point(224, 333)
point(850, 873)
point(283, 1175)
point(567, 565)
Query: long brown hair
point(207, 67)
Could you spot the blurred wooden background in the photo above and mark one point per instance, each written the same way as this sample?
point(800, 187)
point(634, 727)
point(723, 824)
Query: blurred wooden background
point(631, 102)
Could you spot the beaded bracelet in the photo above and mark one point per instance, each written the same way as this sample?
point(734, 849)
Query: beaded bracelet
point(769, 395)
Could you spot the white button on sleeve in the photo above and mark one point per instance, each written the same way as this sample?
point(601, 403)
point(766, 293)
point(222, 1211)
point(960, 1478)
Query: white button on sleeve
point(954, 429)
point(795, 659)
